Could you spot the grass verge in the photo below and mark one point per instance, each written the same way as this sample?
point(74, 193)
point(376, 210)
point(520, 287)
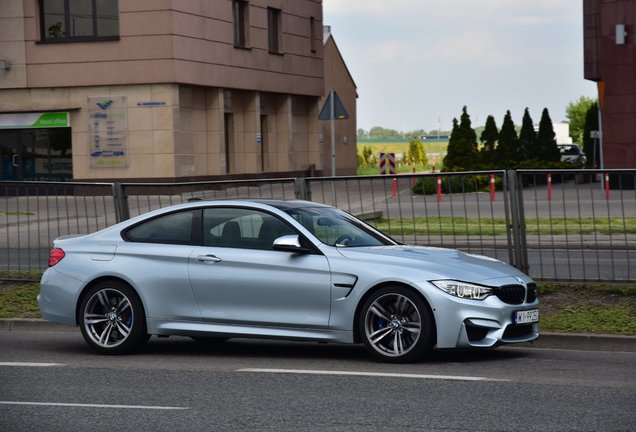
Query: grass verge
point(18, 299)
point(497, 226)
point(564, 308)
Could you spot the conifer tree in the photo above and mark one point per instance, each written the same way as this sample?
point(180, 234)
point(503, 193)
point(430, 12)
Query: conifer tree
point(546, 142)
point(507, 151)
point(452, 153)
point(528, 138)
point(461, 153)
point(488, 138)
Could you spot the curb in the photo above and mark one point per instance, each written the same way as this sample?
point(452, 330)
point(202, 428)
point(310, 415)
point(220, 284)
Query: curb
point(34, 325)
point(565, 341)
point(583, 342)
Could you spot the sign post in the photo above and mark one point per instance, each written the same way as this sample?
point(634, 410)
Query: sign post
point(332, 110)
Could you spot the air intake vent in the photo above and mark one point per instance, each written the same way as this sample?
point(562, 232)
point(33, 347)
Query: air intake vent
point(511, 294)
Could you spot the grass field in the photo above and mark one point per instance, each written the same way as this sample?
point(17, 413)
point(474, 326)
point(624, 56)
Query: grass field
point(474, 226)
point(435, 152)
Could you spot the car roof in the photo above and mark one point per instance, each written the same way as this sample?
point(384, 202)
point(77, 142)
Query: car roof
point(288, 204)
point(280, 204)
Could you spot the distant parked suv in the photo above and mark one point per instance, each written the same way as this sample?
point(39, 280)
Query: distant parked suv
point(573, 154)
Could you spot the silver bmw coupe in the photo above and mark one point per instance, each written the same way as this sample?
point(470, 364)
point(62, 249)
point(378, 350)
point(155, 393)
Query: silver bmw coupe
point(296, 270)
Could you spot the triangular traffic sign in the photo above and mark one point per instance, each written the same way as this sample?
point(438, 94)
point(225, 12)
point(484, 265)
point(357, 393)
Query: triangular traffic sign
point(340, 113)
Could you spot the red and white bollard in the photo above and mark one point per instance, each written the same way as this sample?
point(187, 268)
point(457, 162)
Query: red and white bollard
point(549, 187)
point(607, 186)
point(492, 187)
point(439, 188)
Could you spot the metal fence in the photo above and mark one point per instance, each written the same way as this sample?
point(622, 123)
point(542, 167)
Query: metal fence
point(560, 225)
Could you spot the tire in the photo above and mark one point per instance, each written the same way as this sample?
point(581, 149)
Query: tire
point(396, 325)
point(112, 319)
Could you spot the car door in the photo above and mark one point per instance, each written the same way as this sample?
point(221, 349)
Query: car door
point(237, 277)
point(155, 256)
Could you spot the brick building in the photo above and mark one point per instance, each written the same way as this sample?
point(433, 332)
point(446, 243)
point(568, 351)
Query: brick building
point(610, 61)
point(160, 90)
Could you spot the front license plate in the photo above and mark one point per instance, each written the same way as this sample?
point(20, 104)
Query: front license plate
point(527, 316)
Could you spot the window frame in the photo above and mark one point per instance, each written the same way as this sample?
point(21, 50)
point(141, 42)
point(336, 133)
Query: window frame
point(67, 18)
point(274, 30)
point(241, 23)
point(195, 234)
point(249, 212)
point(313, 46)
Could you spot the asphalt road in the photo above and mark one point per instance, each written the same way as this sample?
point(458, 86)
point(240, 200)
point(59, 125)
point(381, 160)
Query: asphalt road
point(178, 385)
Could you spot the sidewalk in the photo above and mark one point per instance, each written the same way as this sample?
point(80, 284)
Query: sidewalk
point(566, 341)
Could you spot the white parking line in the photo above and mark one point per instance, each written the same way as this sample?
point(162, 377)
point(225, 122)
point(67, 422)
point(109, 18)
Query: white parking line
point(372, 374)
point(31, 364)
point(78, 405)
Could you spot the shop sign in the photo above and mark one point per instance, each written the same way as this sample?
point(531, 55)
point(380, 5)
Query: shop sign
point(34, 120)
point(108, 133)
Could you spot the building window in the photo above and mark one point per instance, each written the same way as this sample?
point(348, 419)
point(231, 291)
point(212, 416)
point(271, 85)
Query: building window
point(240, 19)
point(79, 20)
point(312, 34)
point(274, 30)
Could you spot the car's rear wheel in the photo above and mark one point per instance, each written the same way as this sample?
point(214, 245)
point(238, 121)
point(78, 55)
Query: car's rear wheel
point(112, 318)
point(396, 325)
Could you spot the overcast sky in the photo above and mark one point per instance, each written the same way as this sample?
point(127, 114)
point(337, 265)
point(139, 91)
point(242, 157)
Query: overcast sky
point(418, 62)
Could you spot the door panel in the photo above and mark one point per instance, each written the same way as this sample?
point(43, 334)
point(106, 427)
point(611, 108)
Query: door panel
point(260, 287)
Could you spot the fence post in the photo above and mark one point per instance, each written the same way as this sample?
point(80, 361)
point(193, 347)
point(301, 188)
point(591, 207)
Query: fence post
point(122, 212)
point(303, 192)
point(518, 223)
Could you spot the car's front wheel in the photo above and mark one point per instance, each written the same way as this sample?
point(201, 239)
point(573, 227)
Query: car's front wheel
point(396, 325)
point(111, 318)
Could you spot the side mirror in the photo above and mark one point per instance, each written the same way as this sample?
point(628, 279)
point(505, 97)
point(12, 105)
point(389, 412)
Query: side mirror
point(290, 243)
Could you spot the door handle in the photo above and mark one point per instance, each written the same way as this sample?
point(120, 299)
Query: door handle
point(208, 258)
point(14, 160)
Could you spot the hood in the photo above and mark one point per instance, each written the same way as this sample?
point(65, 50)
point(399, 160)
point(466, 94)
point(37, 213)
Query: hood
point(441, 263)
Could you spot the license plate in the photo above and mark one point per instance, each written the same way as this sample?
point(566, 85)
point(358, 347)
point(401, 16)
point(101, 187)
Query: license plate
point(527, 316)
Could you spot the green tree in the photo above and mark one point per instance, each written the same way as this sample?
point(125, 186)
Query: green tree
point(546, 142)
point(488, 138)
point(507, 154)
point(591, 145)
point(416, 153)
point(367, 154)
point(461, 153)
point(380, 132)
point(528, 138)
point(575, 112)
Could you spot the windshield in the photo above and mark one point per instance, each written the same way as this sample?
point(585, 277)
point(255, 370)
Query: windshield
point(336, 228)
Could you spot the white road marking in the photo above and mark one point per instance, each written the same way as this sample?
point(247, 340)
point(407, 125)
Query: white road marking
point(31, 364)
point(372, 374)
point(79, 405)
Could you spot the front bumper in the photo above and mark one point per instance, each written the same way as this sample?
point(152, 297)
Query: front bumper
point(463, 323)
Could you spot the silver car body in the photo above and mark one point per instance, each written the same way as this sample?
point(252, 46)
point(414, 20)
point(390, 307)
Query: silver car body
point(195, 290)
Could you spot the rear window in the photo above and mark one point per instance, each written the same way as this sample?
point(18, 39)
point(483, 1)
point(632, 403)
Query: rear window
point(173, 228)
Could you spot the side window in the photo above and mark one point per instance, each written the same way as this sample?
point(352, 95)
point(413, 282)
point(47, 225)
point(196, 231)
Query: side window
point(274, 34)
point(174, 228)
point(79, 20)
point(240, 23)
point(242, 228)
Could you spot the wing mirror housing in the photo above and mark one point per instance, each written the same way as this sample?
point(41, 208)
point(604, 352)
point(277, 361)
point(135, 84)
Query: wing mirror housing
point(290, 243)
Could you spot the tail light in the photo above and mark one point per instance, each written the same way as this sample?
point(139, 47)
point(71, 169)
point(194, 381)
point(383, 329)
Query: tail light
point(55, 256)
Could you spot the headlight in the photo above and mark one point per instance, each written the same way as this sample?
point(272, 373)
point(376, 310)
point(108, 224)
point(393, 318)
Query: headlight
point(463, 289)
